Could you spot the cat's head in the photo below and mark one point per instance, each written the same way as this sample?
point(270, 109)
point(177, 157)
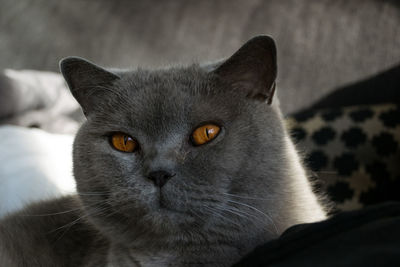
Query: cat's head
point(182, 153)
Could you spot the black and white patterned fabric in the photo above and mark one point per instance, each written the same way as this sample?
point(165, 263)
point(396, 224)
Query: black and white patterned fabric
point(353, 152)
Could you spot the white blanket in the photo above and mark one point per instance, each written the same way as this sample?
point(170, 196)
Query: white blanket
point(34, 165)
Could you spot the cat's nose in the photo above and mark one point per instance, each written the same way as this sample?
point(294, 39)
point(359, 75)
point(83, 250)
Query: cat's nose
point(160, 177)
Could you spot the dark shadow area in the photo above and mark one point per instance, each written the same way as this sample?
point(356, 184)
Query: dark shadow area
point(381, 88)
point(368, 237)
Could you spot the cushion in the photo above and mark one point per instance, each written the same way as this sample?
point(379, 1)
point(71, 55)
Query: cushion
point(353, 151)
point(35, 165)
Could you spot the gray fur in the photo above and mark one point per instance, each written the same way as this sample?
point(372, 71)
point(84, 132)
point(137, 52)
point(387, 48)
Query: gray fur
point(228, 196)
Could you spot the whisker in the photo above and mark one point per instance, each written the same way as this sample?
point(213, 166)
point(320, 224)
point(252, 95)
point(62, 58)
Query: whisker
point(74, 222)
point(69, 225)
point(81, 217)
point(246, 216)
point(215, 212)
point(62, 212)
point(241, 213)
point(237, 212)
point(246, 197)
point(50, 214)
point(92, 194)
point(257, 210)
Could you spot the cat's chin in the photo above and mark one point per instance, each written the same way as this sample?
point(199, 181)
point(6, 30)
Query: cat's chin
point(169, 217)
point(161, 216)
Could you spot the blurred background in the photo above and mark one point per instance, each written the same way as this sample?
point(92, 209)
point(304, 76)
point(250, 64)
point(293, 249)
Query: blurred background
point(335, 55)
point(322, 44)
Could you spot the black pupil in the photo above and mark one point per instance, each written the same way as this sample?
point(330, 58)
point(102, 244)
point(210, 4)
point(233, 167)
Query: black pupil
point(125, 139)
point(207, 133)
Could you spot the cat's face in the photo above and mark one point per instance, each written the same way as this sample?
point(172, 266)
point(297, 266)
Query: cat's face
point(182, 152)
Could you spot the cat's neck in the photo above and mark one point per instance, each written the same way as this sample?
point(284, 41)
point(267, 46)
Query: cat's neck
point(304, 205)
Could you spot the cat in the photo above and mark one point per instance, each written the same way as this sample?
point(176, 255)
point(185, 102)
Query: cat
point(183, 166)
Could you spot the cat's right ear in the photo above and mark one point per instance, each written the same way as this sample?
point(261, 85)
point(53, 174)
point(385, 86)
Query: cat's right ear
point(87, 81)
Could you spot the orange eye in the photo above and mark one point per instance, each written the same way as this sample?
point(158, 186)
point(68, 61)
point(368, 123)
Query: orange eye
point(205, 134)
point(123, 142)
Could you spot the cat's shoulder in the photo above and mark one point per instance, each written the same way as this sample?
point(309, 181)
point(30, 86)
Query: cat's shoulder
point(49, 233)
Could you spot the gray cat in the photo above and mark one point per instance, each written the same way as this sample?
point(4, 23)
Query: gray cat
point(185, 166)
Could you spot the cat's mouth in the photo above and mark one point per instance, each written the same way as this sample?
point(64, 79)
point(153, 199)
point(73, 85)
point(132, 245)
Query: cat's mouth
point(166, 206)
point(164, 203)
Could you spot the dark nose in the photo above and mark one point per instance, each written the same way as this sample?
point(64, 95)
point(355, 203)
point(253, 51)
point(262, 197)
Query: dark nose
point(160, 177)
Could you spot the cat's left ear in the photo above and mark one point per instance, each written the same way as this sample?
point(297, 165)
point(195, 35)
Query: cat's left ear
point(252, 69)
point(87, 81)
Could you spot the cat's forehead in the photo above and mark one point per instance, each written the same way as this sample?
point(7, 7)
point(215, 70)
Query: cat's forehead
point(191, 80)
point(169, 99)
point(183, 86)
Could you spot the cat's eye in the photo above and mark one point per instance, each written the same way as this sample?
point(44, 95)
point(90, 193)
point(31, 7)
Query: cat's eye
point(205, 134)
point(123, 142)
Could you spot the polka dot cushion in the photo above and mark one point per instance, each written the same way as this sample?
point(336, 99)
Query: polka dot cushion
point(354, 152)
